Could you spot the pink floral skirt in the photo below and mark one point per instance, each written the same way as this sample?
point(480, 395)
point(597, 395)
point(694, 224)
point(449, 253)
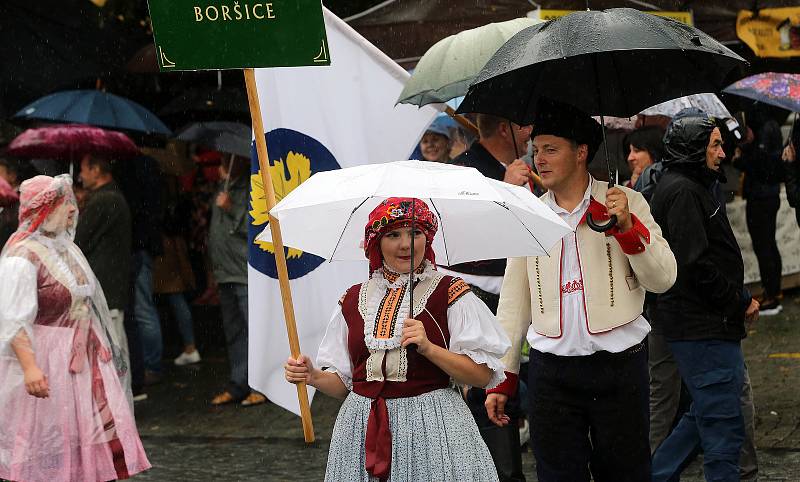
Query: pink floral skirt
point(85, 430)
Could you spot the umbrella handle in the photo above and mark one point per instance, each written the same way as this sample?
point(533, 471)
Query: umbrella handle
point(600, 228)
point(412, 346)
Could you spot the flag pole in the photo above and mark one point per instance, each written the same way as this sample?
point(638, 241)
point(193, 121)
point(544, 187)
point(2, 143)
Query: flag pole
point(277, 241)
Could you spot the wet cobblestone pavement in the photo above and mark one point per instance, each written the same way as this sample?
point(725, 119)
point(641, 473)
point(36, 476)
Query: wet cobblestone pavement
point(187, 439)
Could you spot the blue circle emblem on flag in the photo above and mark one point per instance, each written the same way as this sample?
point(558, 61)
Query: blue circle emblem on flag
point(294, 157)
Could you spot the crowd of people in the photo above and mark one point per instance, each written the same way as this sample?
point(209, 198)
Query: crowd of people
point(616, 357)
point(621, 351)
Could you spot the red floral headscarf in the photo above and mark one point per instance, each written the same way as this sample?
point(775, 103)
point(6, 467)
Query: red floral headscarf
point(394, 213)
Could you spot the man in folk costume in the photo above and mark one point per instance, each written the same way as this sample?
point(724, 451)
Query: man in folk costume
point(581, 311)
point(400, 419)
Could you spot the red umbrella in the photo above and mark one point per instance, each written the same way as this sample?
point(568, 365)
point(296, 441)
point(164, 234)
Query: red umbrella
point(71, 142)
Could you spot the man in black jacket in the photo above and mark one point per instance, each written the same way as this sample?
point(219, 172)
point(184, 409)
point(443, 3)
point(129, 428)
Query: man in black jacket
point(104, 235)
point(703, 315)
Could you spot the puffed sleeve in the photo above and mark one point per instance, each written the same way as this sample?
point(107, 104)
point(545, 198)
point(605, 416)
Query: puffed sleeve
point(333, 355)
point(18, 301)
point(475, 332)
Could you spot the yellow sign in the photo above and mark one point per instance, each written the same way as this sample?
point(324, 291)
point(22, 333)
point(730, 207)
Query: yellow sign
point(683, 17)
point(775, 32)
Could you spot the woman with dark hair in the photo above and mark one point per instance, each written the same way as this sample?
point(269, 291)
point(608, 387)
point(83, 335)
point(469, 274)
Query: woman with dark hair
point(401, 418)
point(645, 149)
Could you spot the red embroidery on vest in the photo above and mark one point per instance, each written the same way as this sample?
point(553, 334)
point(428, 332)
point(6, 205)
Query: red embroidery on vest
point(571, 287)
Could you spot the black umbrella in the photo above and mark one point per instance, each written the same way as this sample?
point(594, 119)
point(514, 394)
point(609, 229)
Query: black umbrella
point(228, 137)
point(612, 62)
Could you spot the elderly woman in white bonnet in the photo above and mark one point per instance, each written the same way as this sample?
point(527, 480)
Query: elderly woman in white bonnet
point(59, 363)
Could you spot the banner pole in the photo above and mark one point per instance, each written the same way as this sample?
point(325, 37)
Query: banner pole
point(277, 241)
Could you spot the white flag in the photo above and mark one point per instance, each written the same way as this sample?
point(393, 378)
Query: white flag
point(318, 119)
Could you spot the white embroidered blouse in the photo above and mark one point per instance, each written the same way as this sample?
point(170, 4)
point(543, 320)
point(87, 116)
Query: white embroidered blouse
point(474, 330)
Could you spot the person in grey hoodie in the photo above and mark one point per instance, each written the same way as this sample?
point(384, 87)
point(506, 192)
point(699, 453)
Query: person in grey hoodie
point(227, 244)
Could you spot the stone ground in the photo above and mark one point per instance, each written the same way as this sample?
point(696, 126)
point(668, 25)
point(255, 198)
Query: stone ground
point(186, 439)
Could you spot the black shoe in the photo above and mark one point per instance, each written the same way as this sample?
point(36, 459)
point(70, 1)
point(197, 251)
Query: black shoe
point(152, 378)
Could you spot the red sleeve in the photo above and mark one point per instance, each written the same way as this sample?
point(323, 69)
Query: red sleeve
point(508, 387)
point(631, 240)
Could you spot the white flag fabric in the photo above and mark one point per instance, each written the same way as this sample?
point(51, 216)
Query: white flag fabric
point(318, 119)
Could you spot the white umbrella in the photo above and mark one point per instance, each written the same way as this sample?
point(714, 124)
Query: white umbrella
point(479, 218)
point(708, 103)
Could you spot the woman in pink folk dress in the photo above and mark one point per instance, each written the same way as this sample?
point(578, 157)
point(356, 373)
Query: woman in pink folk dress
point(64, 413)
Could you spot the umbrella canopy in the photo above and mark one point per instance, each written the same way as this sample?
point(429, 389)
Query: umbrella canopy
point(8, 195)
point(708, 103)
point(71, 143)
point(451, 64)
point(612, 62)
point(773, 88)
point(326, 214)
point(230, 137)
point(96, 108)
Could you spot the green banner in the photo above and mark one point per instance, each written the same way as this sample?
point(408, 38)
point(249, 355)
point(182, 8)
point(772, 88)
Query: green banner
point(229, 34)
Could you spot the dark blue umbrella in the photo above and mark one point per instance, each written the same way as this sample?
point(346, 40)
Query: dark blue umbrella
point(95, 108)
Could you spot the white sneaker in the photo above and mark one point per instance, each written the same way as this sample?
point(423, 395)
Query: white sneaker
point(524, 433)
point(187, 358)
point(772, 311)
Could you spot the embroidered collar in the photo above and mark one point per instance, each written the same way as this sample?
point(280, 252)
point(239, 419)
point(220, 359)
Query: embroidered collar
point(388, 278)
point(392, 276)
point(384, 303)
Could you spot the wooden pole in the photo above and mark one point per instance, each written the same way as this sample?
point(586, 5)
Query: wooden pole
point(277, 241)
point(465, 123)
point(474, 129)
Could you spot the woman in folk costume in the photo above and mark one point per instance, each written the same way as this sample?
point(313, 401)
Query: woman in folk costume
point(65, 414)
point(401, 419)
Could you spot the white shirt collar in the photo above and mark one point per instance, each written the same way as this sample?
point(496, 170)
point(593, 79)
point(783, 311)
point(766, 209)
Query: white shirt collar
point(550, 200)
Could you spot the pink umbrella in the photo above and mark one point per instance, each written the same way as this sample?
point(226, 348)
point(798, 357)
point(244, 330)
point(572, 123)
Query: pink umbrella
point(8, 196)
point(71, 142)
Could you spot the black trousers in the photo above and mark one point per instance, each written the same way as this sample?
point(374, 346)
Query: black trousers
point(590, 416)
point(762, 214)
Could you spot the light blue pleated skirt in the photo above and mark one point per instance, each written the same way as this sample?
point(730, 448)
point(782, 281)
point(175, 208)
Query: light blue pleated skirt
point(434, 438)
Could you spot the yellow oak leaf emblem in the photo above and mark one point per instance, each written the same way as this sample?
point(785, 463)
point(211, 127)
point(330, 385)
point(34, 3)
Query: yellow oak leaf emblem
point(286, 175)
